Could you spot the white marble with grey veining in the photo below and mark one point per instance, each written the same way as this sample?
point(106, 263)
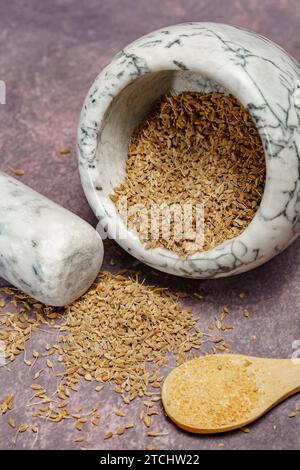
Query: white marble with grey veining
point(45, 250)
point(198, 57)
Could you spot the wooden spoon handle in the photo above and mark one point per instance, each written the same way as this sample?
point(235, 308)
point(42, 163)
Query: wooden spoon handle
point(280, 376)
point(290, 372)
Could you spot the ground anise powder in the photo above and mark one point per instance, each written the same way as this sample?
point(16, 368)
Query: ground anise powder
point(211, 392)
point(195, 148)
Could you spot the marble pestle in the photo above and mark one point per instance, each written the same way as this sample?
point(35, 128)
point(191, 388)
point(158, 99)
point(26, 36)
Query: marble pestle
point(45, 250)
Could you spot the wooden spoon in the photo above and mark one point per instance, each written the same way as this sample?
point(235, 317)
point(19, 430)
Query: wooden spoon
point(219, 393)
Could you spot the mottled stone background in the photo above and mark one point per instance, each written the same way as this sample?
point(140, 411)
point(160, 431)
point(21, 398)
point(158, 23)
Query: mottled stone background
point(51, 51)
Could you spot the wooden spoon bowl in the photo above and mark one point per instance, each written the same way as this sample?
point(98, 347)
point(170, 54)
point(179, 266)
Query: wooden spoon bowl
point(219, 393)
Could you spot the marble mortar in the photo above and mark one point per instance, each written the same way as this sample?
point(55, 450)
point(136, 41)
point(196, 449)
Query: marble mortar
point(197, 57)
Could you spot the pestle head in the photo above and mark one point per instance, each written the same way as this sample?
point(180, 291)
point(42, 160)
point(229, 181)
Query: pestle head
point(45, 250)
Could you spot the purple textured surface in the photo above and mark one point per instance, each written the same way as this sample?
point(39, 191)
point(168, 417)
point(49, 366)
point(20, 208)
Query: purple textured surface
point(50, 53)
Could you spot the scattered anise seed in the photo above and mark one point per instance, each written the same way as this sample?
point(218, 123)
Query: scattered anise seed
point(120, 431)
point(11, 422)
point(245, 430)
point(19, 172)
point(120, 413)
point(150, 447)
